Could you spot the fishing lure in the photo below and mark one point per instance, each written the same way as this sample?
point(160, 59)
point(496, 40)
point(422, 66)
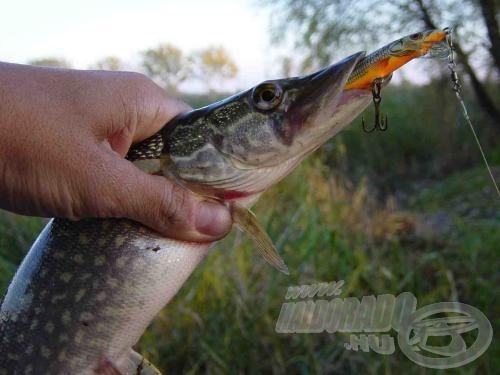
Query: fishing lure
point(376, 68)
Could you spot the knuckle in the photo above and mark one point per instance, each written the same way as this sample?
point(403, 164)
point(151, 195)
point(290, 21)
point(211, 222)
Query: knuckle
point(105, 193)
point(137, 80)
point(176, 208)
point(139, 94)
point(107, 205)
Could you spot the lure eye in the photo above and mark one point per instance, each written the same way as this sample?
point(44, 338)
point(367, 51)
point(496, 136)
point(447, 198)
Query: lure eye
point(267, 96)
point(415, 36)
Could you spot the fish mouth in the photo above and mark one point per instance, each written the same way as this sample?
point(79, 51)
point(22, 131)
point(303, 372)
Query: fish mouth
point(433, 39)
point(435, 36)
point(435, 45)
point(418, 44)
point(319, 94)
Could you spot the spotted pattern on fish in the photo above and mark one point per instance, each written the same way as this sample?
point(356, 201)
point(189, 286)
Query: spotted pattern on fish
point(71, 340)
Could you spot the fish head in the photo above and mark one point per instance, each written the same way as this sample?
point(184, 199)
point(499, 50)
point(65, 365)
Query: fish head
point(245, 143)
point(419, 44)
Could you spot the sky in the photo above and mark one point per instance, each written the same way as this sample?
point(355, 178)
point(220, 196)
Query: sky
point(83, 32)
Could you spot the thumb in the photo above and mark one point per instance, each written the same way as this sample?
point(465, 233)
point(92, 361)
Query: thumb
point(164, 206)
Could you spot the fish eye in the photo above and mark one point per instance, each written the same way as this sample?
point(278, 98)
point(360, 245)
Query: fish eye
point(267, 95)
point(415, 36)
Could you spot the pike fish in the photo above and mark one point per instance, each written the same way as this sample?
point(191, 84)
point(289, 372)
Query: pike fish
point(87, 290)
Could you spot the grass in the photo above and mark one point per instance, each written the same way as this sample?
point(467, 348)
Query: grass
point(16, 235)
point(411, 210)
point(223, 319)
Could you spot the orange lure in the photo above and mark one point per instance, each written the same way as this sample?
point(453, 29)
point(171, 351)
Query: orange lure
point(384, 61)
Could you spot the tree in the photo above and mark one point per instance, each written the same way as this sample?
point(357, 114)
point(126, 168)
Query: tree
point(54, 62)
point(167, 65)
point(214, 64)
point(109, 63)
point(489, 9)
point(342, 25)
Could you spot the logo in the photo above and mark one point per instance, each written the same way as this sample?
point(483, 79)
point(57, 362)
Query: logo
point(432, 336)
point(416, 331)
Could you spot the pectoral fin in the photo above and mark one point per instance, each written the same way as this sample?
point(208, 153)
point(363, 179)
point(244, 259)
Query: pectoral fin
point(132, 363)
point(247, 222)
point(138, 365)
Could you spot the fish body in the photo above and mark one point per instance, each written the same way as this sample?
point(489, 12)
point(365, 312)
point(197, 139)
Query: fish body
point(87, 290)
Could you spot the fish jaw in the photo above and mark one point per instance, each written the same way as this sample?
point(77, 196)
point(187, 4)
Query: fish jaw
point(350, 105)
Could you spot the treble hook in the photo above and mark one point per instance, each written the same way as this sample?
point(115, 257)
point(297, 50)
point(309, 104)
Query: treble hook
point(378, 124)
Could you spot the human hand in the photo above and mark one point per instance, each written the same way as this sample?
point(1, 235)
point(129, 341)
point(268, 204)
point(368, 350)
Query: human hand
point(63, 136)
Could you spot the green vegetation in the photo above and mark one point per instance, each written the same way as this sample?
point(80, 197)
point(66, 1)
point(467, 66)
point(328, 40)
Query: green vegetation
point(16, 235)
point(223, 319)
point(411, 209)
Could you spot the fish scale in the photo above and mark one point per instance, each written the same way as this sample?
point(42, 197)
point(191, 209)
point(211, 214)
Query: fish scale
point(68, 318)
point(365, 64)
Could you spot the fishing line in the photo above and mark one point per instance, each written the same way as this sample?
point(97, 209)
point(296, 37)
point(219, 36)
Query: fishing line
point(457, 88)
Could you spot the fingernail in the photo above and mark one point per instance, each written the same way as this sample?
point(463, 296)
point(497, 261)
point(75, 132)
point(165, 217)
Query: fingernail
point(213, 219)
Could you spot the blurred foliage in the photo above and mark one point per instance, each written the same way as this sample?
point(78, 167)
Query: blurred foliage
point(326, 30)
point(337, 24)
point(109, 63)
point(327, 229)
point(167, 65)
point(170, 67)
point(201, 100)
point(427, 138)
point(16, 235)
point(214, 64)
point(53, 62)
